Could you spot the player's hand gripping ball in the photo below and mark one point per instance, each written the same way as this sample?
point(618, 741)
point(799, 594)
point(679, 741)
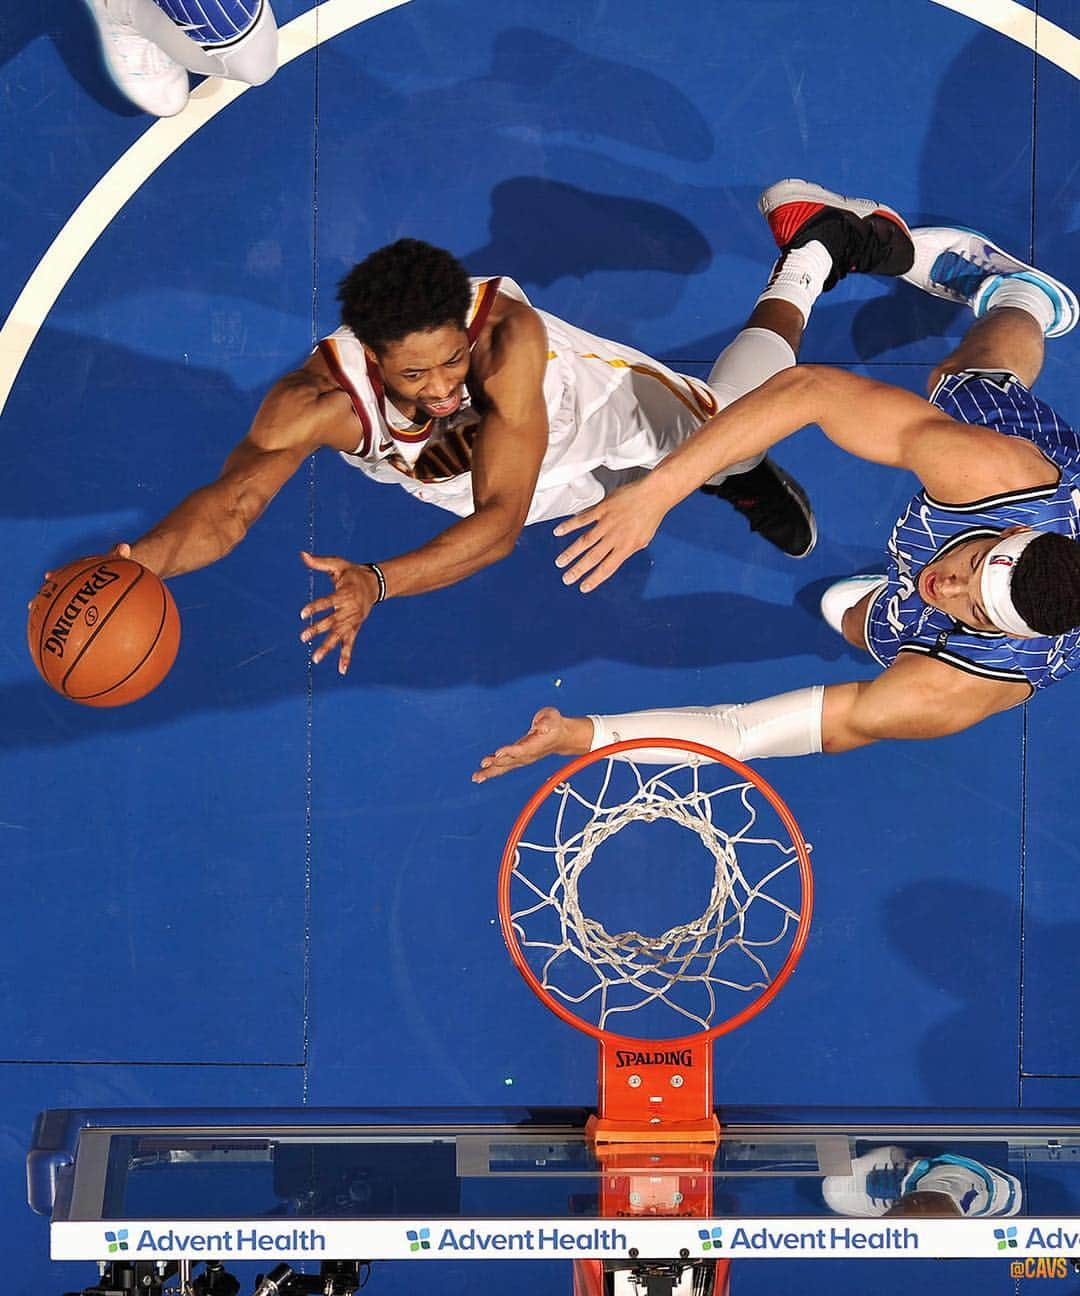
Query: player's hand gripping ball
point(103, 631)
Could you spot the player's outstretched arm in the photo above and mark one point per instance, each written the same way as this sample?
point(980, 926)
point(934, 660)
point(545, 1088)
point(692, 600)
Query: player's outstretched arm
point(914, 698)
point(956, 462)
point(507, 453)
point(297, 417)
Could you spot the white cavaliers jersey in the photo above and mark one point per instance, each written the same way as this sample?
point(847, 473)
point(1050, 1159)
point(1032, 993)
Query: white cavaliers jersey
point(609, 407)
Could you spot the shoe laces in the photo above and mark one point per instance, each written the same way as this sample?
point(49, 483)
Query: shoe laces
point(883, 1182)
point(962, 274)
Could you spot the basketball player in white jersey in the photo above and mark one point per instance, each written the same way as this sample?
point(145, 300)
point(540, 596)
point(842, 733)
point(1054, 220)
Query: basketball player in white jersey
point(150, 46)
point(977, 606)
point(461, 393)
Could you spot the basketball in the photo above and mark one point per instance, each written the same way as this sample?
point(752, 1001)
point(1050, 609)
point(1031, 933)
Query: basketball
point(103, 631)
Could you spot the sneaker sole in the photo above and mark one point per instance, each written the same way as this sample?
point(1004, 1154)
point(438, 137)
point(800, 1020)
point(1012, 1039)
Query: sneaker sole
point(803, 500)
point(805, 199)
point(998, 264)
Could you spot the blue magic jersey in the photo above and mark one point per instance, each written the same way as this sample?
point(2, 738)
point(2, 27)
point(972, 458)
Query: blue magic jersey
point(899, 621)
point(213, 23)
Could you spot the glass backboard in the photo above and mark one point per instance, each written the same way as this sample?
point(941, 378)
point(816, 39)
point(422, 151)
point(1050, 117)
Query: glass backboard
point(311, 1184)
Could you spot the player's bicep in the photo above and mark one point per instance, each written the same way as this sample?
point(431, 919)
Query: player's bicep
point(956, 462)
point(915, 698)
point(874, 420)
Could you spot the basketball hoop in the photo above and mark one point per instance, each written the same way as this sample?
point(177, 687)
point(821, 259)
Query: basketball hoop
point(655, 1001)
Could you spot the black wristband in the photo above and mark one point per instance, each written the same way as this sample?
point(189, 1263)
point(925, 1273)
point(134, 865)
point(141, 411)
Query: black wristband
point(374, 567)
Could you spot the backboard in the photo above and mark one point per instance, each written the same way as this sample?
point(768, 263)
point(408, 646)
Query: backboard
point(518, 1183)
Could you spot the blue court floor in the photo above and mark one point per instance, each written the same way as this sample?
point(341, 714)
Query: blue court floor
point(268, 885)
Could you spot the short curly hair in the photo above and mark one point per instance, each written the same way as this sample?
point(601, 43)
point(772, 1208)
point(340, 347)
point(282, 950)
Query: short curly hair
point(405, 287)
point(1046, 584)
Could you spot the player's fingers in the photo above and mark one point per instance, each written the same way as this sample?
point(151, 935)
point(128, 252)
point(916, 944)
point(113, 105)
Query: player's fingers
point(325, 604)
point(317, 628)
point(487, 771)
point(120, 550)
point(323, 564)
point(603, 571)
point(581, 545)
point(328, 645)
point(583, 519)
point(584, 565)
point(346, 652)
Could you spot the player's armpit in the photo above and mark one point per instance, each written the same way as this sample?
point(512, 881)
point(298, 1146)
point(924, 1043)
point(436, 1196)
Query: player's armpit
point(916, 697)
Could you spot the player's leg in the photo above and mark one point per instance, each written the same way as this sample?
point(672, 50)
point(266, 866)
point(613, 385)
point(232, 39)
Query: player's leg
point(772, 501)
point(1015, 304)
point(244, 42)
point(231, 38)
point(822, 237)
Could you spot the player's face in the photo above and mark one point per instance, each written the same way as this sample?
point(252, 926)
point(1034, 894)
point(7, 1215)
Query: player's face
point(952, 583)
point(427, 370)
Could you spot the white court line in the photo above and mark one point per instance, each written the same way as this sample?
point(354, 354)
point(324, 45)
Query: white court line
point(132, 169)
point(1049, 41)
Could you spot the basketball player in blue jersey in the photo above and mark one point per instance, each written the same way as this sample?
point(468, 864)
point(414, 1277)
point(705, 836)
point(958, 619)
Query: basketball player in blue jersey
point(150, 46)
point(978, 605)
point(462, 394)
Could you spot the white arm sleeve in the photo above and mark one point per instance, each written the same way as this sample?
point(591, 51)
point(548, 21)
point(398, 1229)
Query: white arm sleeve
point(788, 724)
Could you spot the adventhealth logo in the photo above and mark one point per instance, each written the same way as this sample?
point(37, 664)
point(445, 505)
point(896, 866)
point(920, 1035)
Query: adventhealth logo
point(116, 1239)
point(711, 1239)
point(420, 1239)
point(1006, 1237)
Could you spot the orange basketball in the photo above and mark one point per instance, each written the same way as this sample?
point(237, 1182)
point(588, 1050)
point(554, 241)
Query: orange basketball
point(103, 631)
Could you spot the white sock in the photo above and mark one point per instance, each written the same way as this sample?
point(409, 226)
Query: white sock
point(799, 276)
point(1022, 294)
point(750, 359)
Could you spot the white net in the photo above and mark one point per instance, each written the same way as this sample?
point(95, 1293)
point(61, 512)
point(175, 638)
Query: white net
point(694, 974)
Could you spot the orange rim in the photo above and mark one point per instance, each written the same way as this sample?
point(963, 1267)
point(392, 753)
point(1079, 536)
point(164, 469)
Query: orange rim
point(802, 851)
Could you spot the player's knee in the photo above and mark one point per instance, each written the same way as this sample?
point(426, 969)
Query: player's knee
point(853, 625)
point(254, 58)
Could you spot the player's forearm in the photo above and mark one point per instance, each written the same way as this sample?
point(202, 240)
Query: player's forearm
point(744, 429)
point(195, 534)
point(463, 549)
point(786, 724)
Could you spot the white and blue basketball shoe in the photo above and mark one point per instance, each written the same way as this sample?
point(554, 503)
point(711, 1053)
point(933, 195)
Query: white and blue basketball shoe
point(138, 67)
point(882, 1177)
point(965, 266)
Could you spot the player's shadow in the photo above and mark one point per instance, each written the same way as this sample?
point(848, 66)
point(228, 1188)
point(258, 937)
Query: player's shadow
point(108, 440)
point(977, 947)
point(584, 233)
point(974, 194)
point(73, 33)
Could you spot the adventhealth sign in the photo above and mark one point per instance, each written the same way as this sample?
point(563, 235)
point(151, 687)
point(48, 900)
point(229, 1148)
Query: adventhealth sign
point(461, 1239)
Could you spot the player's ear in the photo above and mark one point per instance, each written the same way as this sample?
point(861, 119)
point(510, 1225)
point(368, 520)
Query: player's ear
point(371, 355)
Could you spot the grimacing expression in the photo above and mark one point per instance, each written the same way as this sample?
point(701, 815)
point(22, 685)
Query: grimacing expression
point(952, 583)
point(426, 370)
